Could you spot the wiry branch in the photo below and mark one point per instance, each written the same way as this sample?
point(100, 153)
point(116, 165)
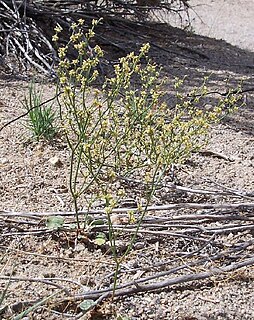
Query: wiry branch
point(26, 27)
point(176, 206)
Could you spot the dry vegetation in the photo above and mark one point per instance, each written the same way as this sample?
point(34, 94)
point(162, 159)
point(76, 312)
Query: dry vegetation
point(193, 254)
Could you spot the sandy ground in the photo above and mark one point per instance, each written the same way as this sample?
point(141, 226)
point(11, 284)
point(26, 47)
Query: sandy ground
point(230, 20)
point(29, 182)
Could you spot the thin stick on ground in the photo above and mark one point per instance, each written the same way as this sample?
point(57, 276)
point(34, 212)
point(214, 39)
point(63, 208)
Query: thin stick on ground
point(213, 206)
point(137, 287)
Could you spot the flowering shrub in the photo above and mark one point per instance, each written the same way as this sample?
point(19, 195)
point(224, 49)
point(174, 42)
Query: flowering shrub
point(125, 129)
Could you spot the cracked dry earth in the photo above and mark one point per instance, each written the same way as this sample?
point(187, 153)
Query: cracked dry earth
point(29, 182)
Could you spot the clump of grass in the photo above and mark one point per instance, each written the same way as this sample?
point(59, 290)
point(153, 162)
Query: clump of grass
point(41, 118)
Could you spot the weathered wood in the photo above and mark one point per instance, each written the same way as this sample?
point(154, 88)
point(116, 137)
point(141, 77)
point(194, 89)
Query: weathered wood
point(26, 27)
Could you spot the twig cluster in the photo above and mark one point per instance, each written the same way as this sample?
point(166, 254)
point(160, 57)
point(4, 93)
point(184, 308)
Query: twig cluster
point(27, 27)
point(204, 239)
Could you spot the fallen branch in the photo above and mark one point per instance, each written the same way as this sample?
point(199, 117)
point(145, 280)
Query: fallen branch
point(50, 257)
point(26, 37)
point(137, 287)
point(225, 191)
point(48, 281)
point(242, 206)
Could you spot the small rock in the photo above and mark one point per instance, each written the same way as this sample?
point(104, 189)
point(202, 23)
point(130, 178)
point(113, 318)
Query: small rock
point(87, 281)
point(139, 245)
point(79, 247)
point(56, 162)
point(120, 246)
point(117, 219)
point(3, 161)
point(49, 274)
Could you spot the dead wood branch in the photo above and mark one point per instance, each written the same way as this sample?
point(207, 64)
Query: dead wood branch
point(26, 27)
point(222, 191)
point(203, 240)
point(187, 265)
point(136, 287)
point(241, 206)
point(48, 281)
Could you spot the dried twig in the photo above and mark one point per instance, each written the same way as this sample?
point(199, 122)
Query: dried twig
point(136, 286)
point(25, 37)
point(241, 206)
point(48, 281)
point(50, 257)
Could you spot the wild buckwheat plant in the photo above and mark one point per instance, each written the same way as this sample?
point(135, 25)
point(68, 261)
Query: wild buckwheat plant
point(124, 129)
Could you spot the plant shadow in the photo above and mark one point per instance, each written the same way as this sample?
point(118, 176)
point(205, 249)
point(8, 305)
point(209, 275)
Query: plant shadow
point(184, 54)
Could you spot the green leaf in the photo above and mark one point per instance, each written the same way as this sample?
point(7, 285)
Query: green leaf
point(97, 222)
point(73, 226)
point(55, 222)
point(100, 239)
point(86, 305)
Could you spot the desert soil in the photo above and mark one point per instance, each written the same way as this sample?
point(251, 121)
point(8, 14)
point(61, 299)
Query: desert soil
point(230, 20)
point(29, 182)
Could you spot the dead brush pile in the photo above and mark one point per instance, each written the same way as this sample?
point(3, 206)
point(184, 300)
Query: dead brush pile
point(26, 27)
